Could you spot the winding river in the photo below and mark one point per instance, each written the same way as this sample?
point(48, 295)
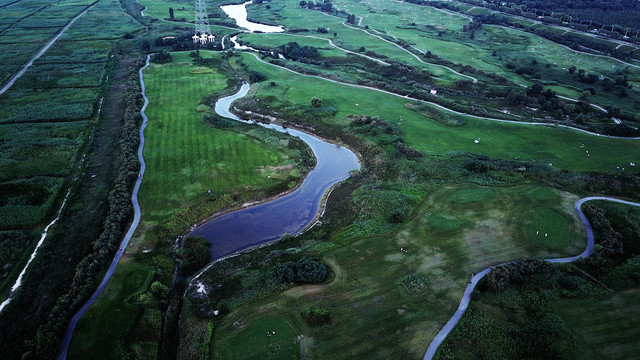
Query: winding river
point(239, 14)
point(289, 214)
point(238, 230)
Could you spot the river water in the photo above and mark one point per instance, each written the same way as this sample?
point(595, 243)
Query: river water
point(289, 214)
point(239, 14)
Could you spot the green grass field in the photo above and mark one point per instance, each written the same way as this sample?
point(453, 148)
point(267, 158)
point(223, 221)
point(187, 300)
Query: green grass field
point(546, 144)
point(184, 156)
point(458, 230)
point(269, 337)
point(420, 25)
point(100, 330)
point(605, 328)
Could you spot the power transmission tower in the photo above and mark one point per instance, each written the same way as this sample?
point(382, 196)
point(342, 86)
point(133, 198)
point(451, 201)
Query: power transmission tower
point(203, 30)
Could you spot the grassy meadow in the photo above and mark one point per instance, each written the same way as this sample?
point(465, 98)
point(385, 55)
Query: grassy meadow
point(185, 157)
point(456, 231)
point(572, 311)
point(562, 148)
point(605, 328)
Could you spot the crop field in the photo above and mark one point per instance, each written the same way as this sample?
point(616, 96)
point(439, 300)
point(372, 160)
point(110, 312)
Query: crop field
point(562, 148)
point(458, 230)
point(47, 115)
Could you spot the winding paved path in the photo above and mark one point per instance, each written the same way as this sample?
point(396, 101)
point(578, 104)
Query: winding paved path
point(466, 298)
point(443, 107)
point(44, 49)
point(136, 220)
point(412, 54)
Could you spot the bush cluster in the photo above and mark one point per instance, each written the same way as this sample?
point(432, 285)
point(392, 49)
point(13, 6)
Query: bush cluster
point(316, 316)
point(304, 271)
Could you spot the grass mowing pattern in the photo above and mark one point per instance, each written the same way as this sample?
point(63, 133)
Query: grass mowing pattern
point(372, 315)
point(185, 156)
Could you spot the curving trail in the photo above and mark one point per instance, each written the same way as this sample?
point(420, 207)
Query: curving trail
point(66, 340)
point(412, 54)
point(443, 107)
point(466, 298)
point(44, 49)
point(340, 48)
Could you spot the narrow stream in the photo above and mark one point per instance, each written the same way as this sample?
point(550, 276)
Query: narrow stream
point(289, 214)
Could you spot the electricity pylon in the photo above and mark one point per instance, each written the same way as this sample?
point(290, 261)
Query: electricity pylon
point(203, 30)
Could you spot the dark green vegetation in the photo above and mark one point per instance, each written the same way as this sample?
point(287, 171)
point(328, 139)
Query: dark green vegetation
point(398, 241)
point(388, 287)
point(58, 133)
point(582, 311)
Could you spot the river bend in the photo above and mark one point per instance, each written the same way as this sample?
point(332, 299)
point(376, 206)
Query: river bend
point(289, 214)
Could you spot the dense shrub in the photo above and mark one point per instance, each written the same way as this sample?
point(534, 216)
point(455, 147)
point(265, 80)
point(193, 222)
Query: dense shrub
point(162, 57)
point(195, 254)
point(316, 316)
point(256, 77)
point(414, 283)
point(304, 271)
point(500, 277)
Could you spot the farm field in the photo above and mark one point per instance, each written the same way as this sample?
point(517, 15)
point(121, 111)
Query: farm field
point(47, 114)
point(48, 121)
